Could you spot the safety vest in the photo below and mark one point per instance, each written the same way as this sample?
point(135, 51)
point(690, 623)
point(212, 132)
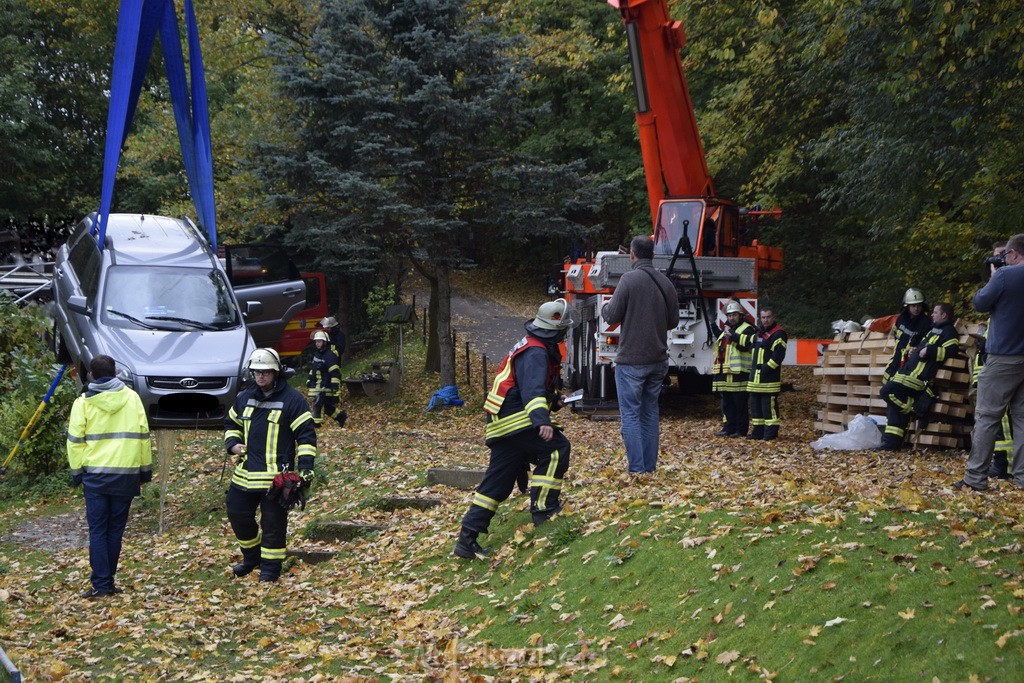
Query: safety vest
point(766, 368)
point(734, 357)
point(108, 442)
point(504, 381)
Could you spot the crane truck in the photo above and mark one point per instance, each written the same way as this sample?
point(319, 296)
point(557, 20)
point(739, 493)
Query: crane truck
point(696, 232)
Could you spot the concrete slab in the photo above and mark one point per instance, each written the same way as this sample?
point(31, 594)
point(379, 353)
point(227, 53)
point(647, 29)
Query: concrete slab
point(400, 503)
point(457, 478)
point(338, 530)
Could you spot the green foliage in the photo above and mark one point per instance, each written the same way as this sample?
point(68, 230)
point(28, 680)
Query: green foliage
point(376, 303)
point(25, 377)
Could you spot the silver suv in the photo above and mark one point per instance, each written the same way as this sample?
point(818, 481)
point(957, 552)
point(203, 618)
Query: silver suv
point(158, 301)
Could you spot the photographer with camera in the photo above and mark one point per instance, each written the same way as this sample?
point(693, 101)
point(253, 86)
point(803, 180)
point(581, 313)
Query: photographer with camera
point(1001, 381)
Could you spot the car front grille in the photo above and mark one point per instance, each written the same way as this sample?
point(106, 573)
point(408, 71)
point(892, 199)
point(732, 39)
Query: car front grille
point(183, 383)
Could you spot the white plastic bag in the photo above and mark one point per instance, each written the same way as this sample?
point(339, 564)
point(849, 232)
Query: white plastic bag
point(861, 434)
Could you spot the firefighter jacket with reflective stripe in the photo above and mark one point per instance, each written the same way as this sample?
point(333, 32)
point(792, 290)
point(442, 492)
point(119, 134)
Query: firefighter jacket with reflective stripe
point(909, 331)
point(769, 352)
point(276, 430)
point(108, 444)
point(940, 343)
point(324, 373)
point(733, 352)
point(520, 395)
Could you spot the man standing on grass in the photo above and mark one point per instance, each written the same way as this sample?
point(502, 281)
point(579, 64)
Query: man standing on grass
point(520, 431)
point(646, 305)
point(111, 456)
point(1001, 382)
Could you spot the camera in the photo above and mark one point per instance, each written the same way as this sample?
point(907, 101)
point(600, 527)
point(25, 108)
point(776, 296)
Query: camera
point(997, 261)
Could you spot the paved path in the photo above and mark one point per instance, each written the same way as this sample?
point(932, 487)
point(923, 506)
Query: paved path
point(491, 328)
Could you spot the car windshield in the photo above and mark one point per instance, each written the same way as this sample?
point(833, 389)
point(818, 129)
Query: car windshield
point(168, 298)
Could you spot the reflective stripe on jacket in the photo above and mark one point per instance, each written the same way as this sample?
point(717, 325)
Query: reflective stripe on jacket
point(276, 430)
point(733, 353)
point(519, 401)
point(108, 441)
point(942, 342)
point(766, 369)
point(324, 373)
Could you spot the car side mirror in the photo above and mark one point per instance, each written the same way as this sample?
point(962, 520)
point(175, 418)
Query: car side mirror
point(253, 308)
point(78, 304)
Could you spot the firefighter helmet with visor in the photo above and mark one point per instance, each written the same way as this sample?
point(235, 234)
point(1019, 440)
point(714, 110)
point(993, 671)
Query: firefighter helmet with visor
point(555, 315)
point(264, 359)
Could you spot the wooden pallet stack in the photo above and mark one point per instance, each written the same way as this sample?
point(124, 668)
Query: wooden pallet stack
point(851, 379)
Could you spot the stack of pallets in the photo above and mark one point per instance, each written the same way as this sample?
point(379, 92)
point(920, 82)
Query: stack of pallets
point(851, 379)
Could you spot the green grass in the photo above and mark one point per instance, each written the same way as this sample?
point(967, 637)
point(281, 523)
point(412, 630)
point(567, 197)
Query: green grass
point(684, 588)
point(706, 572)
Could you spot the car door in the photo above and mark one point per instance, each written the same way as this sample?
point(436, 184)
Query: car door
point(268, 287)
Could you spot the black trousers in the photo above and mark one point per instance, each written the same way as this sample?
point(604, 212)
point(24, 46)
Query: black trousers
point(900, 403)
point(325, 406)
point(734, 409)
point(764, 409)
point(509, 458)
point(267, 547)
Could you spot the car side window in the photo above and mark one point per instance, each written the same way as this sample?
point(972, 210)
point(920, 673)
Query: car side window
point(85, 259)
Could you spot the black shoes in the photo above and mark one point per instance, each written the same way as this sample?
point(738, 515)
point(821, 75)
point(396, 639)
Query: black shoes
point(467, 546)
point(93, 593)
point(722, 432)
point(244, 568)
point(961, 485)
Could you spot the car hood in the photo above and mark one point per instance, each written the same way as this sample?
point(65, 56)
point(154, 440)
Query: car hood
point(162, 353)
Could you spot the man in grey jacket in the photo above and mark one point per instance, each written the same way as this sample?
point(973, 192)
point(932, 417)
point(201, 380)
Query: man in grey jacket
point(1001, 382)
point(646, 305)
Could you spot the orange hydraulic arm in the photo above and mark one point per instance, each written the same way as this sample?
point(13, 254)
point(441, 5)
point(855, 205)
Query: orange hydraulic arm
point(673, 155)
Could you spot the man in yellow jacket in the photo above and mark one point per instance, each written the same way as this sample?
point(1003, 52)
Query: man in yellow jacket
point(111, 456)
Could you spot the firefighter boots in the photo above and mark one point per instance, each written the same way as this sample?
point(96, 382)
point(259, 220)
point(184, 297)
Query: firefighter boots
point(757, 433)
point(250, 561)
point(341, 416)
point(270, 571)
point(771, 432)
point(467, 545)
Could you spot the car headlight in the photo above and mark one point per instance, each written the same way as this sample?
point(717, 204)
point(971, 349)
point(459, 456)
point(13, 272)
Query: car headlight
point(124, 374)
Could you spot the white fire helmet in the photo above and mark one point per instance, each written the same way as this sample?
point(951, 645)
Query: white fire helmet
point(329, 322)
point(913, 296)
point(265, 359)
point(733, 307)
point(320, 335)
point(555, 315)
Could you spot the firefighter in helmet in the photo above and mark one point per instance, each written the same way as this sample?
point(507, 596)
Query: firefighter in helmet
point(324, 381)
point(731, 370)
point(912, 324)
point(335, 336)
point(908, 394)
point(271, 431)
point(520, 431)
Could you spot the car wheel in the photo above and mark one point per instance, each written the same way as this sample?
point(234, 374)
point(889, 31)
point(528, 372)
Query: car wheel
point(60, 350)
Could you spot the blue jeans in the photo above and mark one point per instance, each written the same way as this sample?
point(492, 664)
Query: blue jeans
point(107, 516)
point(638, 388)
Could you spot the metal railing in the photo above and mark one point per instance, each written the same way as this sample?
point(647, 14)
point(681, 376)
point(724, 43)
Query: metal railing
point(26, 280)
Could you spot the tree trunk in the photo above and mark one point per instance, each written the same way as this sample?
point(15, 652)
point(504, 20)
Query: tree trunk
point(344, 294)
point(433, 361)
point(446, 347)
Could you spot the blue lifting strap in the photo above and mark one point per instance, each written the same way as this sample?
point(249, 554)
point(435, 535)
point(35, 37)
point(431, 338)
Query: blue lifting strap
point(137, 26)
